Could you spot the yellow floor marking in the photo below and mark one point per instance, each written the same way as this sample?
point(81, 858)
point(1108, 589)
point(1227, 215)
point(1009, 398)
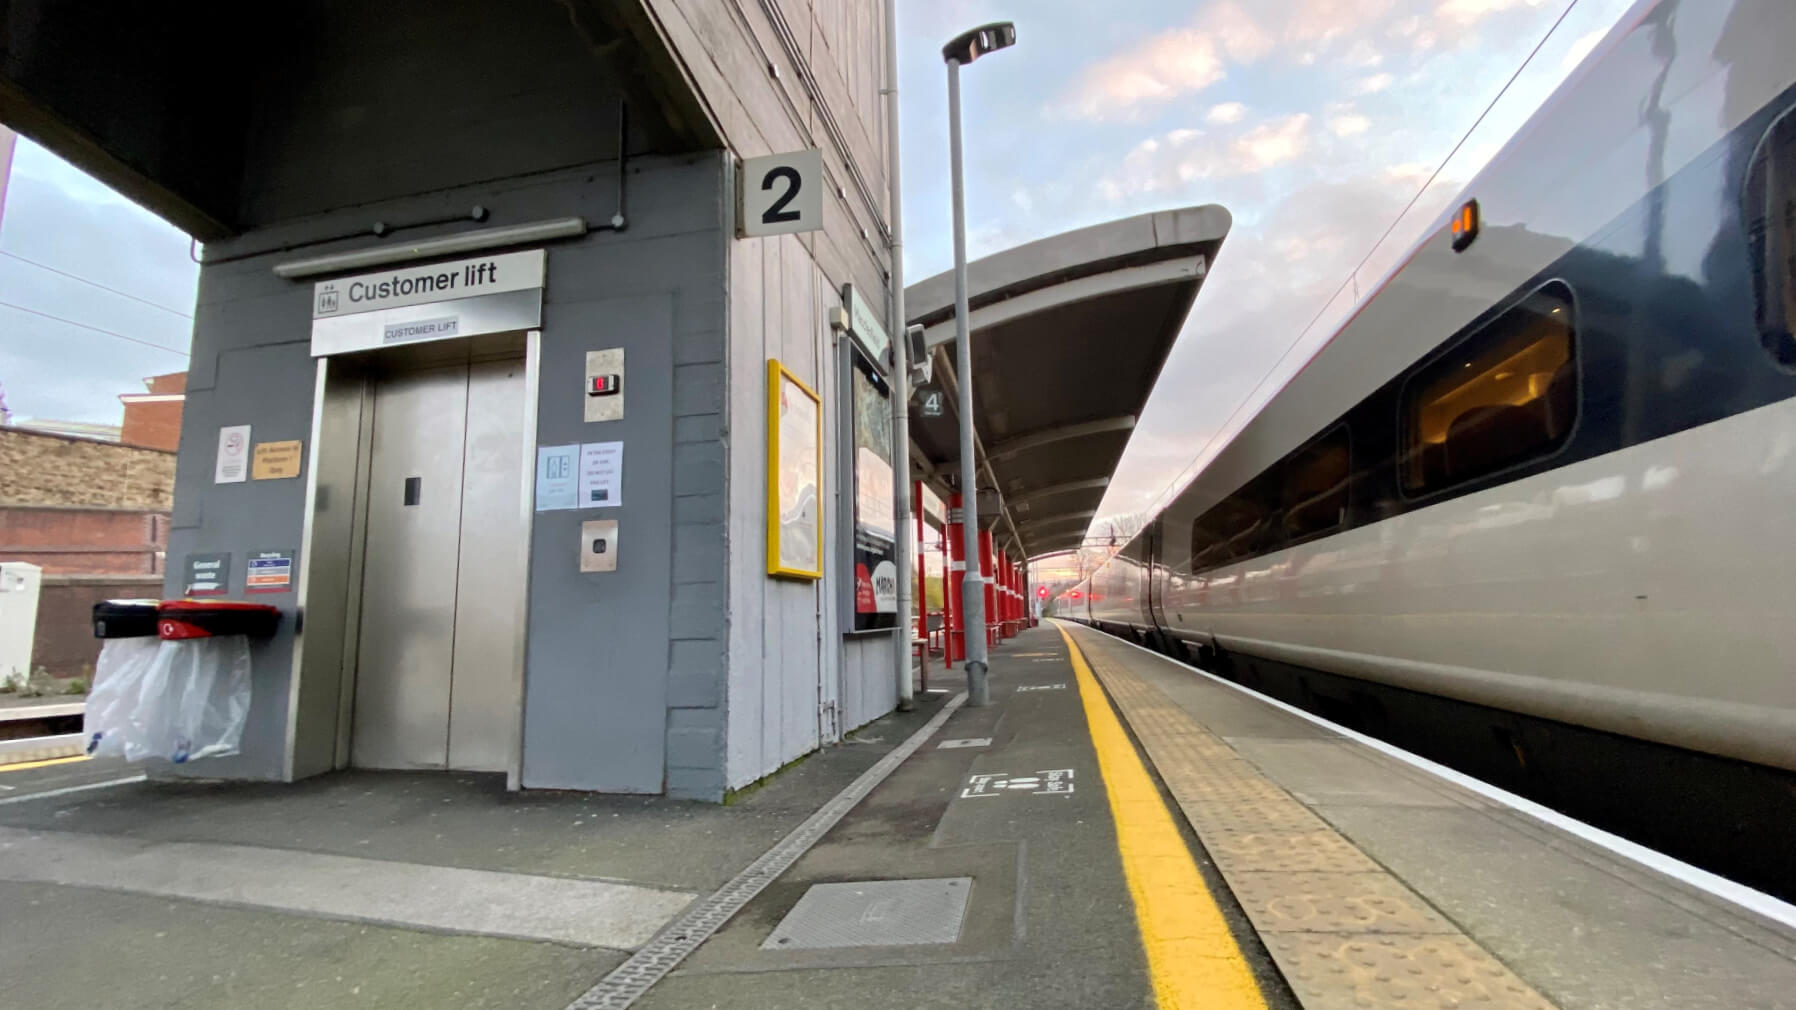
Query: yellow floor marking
point(23, 765)
point(1191, 954)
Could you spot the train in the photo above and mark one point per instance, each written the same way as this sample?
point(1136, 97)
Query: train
point(1531, 509)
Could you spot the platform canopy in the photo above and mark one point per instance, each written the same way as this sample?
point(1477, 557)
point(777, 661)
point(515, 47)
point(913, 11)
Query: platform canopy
point(1068, 337)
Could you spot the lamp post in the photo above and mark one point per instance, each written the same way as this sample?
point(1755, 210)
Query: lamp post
point(963, 49)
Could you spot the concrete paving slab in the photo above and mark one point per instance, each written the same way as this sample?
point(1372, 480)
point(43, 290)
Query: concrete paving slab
point(68, 948)
point(1334, 771)
point(522, 906)
point(1585, 936)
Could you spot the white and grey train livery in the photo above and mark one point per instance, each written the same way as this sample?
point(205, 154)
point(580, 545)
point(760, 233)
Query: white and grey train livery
point(1532, 509)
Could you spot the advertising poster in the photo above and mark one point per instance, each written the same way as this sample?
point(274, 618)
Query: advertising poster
point(875, 531)
point(794, 470)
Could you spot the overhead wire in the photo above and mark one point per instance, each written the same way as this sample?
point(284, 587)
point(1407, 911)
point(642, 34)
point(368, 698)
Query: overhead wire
point(93, 283)
point(1160, 499)
point(96, 329)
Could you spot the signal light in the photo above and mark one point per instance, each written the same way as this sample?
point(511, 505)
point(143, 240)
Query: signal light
point(1465, 225)
point(1041, 591)
point(1075, 594)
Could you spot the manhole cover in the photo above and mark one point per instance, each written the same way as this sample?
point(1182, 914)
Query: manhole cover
point(874, 913)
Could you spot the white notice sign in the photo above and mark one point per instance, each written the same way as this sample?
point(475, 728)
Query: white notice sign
point(555, 478)
point(601, 474)
point(232, 466)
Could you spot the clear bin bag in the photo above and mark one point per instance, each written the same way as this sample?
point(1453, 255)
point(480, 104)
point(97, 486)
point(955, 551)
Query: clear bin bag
point(177, 701)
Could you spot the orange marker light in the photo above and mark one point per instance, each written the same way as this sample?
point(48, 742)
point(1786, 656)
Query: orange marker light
point(1465, 225)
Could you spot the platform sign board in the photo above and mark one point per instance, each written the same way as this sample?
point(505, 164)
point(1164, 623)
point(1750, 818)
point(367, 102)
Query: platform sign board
point(931, 401)
point(437, 301)
point(269, 572)
point(780, 194)
point(206, 575)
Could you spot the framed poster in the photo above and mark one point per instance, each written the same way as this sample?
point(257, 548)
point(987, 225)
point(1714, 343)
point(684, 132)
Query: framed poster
point(875, 526)
point(794, 476)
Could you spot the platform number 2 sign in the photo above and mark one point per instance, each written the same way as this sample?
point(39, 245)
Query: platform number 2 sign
point(780, 194)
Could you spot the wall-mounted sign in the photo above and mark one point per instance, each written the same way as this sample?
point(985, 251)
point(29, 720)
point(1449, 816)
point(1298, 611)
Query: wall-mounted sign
point(794, 476)
point(931, 401)
point(780, 194)
point(557, 477)
point(232, 463)
point(269, 572)
point(601, 474)
point(864, 324)
point(437, 301)
point(875, 527)
point(275, 460)
point(206, 575)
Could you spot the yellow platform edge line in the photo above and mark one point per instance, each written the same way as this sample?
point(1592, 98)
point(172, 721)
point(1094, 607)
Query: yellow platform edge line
point(19, 766)
point(1192, 955)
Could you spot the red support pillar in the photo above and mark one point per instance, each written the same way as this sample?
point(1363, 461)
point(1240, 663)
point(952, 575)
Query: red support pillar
point(921, 607)
point(1010, 597)
point(988, 564)
point(957, 645)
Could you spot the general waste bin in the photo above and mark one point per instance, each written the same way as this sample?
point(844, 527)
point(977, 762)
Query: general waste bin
point(182, 690)
point(179, 620)
point(125, 619)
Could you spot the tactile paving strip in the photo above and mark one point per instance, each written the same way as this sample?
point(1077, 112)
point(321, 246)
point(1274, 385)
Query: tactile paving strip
point(1345, 933)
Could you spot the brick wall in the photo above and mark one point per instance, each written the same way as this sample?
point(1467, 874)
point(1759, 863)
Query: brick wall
point(84, 540)
point(40, 469)
point(65, 645)
point(154, 425)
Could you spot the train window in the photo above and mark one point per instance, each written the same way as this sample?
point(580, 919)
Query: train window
point(1315, 491)
point(1506, 394)
point(1769, 206)
point(1241, 526)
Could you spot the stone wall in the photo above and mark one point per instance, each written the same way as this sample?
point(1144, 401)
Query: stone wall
point(40, 469)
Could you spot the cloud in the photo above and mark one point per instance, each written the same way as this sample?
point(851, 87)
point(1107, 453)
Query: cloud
point(1363, 55)
point(1171, 161)
point(1242, 37)
point(1348, 124)
point(1227, 112)
point(1372, 84)
point(1469, 12)
point(1022, 199)
point(1162, 68)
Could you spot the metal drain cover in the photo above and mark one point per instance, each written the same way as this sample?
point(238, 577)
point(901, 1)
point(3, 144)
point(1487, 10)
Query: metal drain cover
point(874, 913)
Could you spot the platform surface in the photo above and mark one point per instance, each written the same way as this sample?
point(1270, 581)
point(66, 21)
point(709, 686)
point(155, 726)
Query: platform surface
point(1114, 830)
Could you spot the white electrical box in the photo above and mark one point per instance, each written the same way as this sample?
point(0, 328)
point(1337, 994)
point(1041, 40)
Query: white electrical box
point(20, 584)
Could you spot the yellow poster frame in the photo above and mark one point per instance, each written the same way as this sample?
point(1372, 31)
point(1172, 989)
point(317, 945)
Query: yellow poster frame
point(777, 374)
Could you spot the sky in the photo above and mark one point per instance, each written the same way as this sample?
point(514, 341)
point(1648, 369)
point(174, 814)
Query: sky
point(1313, 121)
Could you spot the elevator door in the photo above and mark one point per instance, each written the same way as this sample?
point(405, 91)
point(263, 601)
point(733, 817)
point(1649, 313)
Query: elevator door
point(436, 674)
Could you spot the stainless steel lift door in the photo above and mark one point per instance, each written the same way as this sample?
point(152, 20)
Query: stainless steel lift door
point(484, 689)
point(436, 685)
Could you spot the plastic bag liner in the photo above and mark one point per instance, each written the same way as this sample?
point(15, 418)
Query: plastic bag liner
point(177, 701)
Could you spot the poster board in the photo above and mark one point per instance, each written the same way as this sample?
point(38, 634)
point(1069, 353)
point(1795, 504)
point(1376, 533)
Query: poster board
point(794, 476)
